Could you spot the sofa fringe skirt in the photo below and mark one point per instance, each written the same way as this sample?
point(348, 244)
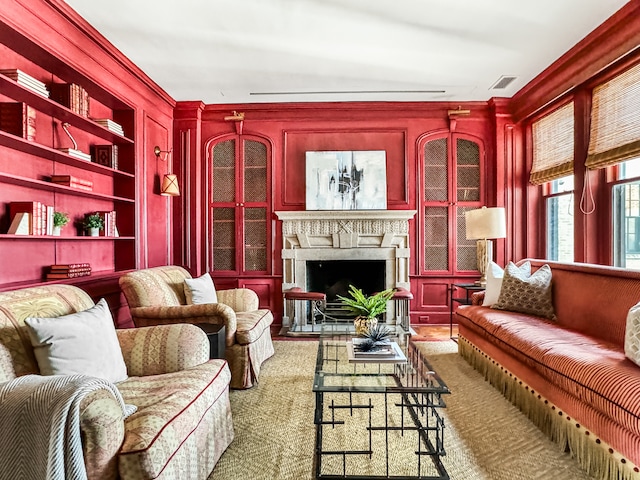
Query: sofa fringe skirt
point(592, 454)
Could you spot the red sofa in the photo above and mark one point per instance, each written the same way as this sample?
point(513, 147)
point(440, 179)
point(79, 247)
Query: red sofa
point(570, 376)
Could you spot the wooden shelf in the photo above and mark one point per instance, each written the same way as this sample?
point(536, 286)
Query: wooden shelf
point(43, 151)
point(47, 106)
point(85, 238)
point(95, 276)
point(52, 187)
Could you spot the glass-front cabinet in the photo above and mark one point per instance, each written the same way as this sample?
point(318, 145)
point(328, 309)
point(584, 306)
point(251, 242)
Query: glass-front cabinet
point(450, 185)
point(239, 206)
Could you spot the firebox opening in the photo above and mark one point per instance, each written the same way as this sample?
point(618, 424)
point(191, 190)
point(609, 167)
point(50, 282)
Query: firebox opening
point(333, 277)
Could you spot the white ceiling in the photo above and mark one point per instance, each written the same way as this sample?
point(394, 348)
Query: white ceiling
point(250, 51)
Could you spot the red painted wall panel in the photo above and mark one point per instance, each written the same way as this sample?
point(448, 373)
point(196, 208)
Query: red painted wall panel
point(297, 143)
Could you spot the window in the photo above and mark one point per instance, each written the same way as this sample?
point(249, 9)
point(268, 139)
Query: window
point(552, 145)
point(626, 216)
point(559, 205)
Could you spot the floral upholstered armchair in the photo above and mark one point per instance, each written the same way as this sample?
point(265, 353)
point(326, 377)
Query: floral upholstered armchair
point(182, 423)
point(157, 296)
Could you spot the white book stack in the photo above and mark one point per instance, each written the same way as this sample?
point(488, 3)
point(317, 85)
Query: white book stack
point(26, 81)
point(110, 125)
point(72, 152)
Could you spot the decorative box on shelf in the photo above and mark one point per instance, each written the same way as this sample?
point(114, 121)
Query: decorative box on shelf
point(106, 155)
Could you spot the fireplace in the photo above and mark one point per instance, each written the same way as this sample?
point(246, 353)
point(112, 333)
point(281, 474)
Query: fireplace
point(333, 277)
point(313, 237)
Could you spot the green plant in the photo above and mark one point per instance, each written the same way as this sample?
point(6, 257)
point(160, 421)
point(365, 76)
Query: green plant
point(374, 338)
point(378, 334)
point(60, 219)
point(368, 306)
point(94, 220)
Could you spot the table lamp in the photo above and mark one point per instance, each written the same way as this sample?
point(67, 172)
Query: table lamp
point(484, 224)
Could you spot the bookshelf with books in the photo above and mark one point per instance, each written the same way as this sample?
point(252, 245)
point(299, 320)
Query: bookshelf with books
point(67, 143)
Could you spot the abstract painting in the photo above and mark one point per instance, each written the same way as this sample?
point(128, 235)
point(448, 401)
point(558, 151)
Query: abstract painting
point(346, 180)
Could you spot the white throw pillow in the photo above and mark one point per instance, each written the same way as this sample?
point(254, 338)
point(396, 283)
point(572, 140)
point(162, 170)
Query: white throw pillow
point(82, 343)
point(632, 335)
point(494, 284)
point(200, 290)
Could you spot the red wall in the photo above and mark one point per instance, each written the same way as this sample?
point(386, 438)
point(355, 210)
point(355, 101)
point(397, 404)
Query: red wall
point(73, 48)
point(293, 129)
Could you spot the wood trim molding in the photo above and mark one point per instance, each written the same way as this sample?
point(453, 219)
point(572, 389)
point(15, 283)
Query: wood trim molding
point(615, 38)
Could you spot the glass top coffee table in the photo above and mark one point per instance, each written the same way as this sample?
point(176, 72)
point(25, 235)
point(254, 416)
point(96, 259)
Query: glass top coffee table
point(376, 419)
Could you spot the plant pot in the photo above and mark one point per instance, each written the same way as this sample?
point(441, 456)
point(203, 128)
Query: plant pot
point(363, 324)
point(56, 231)
point(94, 232)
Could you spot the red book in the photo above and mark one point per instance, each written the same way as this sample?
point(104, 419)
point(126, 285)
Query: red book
point(71, 270)
point(72, 96)
point(51, 276)
point(19, 119)
point(70, 265)
point(67, 179)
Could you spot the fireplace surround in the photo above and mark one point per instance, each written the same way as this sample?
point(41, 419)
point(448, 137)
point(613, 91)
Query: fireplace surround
point(346, 235)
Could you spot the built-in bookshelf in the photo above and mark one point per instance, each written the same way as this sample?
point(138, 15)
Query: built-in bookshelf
point(89, 116)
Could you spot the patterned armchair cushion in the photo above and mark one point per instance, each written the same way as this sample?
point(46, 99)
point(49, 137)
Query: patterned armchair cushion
point(251, 325)
point(163, 348)
point(526, 294)
point(170, 409)
point(240, 299)
point(155, 286)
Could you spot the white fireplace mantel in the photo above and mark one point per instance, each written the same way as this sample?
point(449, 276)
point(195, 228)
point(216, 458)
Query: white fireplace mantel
point(345, 235)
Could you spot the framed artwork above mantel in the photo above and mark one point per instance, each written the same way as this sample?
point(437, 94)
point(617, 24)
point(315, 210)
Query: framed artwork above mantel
point(346, 180)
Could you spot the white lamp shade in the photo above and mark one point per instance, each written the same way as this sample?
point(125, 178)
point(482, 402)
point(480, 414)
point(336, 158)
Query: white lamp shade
point(486, 223)
point(170, 185)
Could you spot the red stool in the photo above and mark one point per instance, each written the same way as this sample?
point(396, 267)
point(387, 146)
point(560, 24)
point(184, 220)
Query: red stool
point(301, 305)
point(401, 299)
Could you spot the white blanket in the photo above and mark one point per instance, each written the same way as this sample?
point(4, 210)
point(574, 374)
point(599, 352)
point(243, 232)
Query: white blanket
point(40, 426)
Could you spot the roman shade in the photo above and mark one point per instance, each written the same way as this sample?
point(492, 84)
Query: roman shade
point(615, 122)
point(552, 146)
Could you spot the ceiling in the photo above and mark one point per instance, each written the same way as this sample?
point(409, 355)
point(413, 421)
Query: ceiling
point(251, 51)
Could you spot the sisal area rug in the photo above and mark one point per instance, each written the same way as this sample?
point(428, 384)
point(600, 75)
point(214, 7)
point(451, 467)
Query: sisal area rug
point(486, 438)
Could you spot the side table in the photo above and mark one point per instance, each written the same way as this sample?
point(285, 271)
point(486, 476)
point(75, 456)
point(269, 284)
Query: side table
point(217, 338)
point(468, 288)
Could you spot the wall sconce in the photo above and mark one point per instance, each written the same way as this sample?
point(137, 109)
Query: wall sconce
point(169, 185)
point(483, 224)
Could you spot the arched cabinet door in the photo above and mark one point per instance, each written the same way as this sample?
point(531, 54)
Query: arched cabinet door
point(239, 230)
point(451, 185)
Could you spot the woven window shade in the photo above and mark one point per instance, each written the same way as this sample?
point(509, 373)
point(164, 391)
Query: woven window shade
point(615, 120)
point(553, 146)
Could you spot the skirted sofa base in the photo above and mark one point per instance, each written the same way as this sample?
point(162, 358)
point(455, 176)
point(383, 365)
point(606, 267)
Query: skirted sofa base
point(569, 374)
point(594, 455)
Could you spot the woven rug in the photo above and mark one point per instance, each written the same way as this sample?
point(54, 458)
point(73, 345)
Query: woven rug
point(486, 438)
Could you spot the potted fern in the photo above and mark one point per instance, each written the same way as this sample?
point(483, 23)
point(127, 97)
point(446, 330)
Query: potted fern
point(366, 308)
point(94, 223)
point(60, 219)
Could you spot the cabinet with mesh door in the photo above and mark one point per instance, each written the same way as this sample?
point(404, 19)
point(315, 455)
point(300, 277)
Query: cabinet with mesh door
point(452, 183)
point(239, 206)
